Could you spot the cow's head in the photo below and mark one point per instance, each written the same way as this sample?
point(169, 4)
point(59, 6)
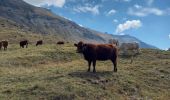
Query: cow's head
point(80, 47)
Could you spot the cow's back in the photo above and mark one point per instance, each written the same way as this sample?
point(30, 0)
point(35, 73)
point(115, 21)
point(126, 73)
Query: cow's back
point(100, 51)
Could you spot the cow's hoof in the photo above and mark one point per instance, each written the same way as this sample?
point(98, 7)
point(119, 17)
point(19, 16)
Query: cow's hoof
point(115, 70)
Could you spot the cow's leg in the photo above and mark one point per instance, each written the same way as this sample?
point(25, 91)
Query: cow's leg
point(89, 63)
point(94, 66)
point(114, 61)
point(27, 46)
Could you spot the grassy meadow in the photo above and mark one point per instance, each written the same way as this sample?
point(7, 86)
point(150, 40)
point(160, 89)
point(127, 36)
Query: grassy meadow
point(57, 72)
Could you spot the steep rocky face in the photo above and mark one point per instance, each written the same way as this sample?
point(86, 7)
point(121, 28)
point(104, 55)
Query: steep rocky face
point(41, 20)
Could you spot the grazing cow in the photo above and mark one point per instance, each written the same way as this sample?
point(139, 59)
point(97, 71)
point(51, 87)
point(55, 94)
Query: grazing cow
point(130, 46)
point(0, 45)
point(93, 52)
point(114, 41)
point(40, 42)
point(60, 42)
point(24, 43)
point(5, 44)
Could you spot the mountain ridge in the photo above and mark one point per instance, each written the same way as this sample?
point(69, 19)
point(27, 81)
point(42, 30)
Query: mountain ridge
point(41, 20)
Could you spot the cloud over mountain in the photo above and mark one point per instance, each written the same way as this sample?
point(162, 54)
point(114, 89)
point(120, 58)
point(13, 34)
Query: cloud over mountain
point(57, 3)
point(128, 25)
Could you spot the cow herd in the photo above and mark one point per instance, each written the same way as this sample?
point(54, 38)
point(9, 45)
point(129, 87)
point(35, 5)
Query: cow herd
point(91, 52)
point(23, 44)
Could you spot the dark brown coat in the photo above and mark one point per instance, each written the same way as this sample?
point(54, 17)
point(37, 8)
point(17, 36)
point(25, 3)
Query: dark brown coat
point(93, 52)
point(40, 42)
point(0, 45)
point(5, 44)
point(23, 43)
point(60, 42)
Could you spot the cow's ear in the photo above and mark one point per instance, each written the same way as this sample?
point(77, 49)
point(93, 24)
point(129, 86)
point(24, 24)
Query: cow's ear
point(75, 44)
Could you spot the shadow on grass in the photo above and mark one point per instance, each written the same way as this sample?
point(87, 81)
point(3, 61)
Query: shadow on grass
point(91, 75)
point(102, 79)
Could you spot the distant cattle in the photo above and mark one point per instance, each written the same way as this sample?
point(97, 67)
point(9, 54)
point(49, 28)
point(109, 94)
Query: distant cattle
point(40, 42)
point(0, 45)
point(93, 52)
point(125, 47)
point(114, 41)
point(4, 44)
point(60, 42)
point(24, 43)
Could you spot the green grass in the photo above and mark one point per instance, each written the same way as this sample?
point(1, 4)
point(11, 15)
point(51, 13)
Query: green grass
point(53, 72)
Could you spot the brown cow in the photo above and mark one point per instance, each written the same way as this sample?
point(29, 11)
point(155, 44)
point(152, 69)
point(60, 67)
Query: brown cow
point(5, 44)
point(24, 43)
point(0, 45)
point(93, 52)
point(60, 42)
point(40, 42)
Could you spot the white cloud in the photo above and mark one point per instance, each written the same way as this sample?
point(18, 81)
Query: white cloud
point(169, 36)
point(122, 34)
point(115, 20)
point(128, 25)
point(137, 6)
point(80, 25)
point(149, 2)
point(57, 3)
point(88, 8)
point(111, 12)
point(67, 18)
point(141, 11)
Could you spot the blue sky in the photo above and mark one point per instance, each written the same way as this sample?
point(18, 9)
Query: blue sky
point(148, 20)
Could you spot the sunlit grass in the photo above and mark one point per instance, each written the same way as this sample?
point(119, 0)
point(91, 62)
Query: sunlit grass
point(55, 71)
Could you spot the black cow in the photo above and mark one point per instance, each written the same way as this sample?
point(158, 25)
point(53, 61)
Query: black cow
point(40, 42)
point(60, 42)
point(5, 44)
point(24, 43)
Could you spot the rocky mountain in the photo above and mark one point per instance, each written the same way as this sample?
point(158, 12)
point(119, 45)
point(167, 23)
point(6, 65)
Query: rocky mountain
point(40, 20)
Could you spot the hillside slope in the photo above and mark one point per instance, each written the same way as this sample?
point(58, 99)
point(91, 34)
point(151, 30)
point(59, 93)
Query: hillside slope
point(51, 72)
point(40, 20)
point(14, 33)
